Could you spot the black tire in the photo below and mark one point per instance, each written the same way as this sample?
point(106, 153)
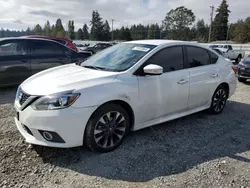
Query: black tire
point(242, 79)
point(238, 59)
point(95, 121)
point(213, 107)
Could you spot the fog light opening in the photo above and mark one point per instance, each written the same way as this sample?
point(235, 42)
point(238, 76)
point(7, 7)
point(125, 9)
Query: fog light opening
point(47, 136)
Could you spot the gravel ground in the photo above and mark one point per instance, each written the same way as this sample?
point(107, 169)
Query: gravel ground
point(200, 150)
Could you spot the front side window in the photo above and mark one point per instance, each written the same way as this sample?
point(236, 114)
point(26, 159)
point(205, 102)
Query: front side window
point(197, 56)
point(45, 48)
point(171, 59)
point(12, 48)
point(119, 57)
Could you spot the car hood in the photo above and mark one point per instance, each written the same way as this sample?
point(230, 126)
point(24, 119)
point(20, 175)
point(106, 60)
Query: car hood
point(63, 78)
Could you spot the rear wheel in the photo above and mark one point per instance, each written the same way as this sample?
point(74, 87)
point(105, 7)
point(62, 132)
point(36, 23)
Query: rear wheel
point(219, 100)
point(242, 79)
point(107, 128)
point(238, 59)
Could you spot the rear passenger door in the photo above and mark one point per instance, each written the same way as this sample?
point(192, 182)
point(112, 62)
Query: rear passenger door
point(46, 54)
point(204, 75)
point(14, 62)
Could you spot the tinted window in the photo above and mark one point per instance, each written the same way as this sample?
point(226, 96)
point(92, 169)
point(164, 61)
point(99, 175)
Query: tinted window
point(45, 47)
point(171, 59)
point(213, 57)
point(230, 47)
point(197, 56)
point(60, 41)
point(9, 48)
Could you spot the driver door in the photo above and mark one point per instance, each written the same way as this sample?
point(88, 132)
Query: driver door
point(165, 94)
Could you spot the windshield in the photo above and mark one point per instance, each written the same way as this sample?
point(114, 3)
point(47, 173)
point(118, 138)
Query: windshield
point(119, 57)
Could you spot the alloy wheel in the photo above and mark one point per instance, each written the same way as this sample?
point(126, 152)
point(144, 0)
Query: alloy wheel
point(110, 129)
point(219, 101)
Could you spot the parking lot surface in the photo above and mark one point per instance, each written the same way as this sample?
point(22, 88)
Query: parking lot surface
point(200, 150)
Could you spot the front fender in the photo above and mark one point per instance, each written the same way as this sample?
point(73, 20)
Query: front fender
point(104, 92)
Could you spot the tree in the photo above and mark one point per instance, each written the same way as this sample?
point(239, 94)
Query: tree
point(38, 30)
point(177, 22)
point(151, 32)
point(124, 34)
point(85, 32)
point(47, 29)
point(59, 29)
point(106, 31)
point(96, 30)
point(71, 30)
point(79, 34)
point(28, 31)
point(220, 23)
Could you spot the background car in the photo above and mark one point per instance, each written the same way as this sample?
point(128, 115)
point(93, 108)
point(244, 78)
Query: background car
point(63, 41)
point(97, 103)
point(96, 48)
point(23, 57)
point(243, 71)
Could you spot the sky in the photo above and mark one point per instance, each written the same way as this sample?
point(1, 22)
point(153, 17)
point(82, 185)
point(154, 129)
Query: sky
point(19, 14)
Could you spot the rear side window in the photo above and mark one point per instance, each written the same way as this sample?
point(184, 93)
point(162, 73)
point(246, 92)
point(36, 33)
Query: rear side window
point(213, 57)
point(10, 48)
point(197, 56)
point(45, 48)
point(60, 41)
point(171, 59)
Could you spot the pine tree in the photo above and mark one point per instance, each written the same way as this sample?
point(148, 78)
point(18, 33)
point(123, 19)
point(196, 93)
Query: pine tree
point(106, 31)
point(47, 29)
point(150, 32)
point(59, 29)
point(220, 23)
point(85, 32)
point(79, 34)
point(96, 30)
point(71, 30)
point(38, 30)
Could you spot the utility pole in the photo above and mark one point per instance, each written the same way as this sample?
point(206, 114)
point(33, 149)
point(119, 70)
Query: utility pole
point(228, 28)
point(112, 29)
point(210, 29)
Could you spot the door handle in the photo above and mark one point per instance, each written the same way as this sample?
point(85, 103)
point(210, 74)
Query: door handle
point(182, 81)
point(24, 61)
point(214, 75)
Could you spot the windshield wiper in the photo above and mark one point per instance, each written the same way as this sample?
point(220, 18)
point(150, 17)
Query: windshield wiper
point(94, 67)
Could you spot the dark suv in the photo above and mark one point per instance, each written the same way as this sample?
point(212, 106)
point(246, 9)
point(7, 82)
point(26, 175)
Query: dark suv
point(243, 72)
point(22, 57)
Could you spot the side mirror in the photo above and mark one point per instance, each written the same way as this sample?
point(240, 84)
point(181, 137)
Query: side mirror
point(153, 69)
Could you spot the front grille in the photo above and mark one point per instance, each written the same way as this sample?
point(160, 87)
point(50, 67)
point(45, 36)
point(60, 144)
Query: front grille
point(23, 97)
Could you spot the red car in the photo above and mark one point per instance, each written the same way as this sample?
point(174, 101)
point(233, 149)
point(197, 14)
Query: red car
point(65, 42)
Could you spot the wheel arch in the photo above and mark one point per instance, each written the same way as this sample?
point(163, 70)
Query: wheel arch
point(226, 86)
point(123, 104)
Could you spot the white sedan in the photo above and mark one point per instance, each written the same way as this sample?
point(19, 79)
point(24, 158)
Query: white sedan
point(129, 86)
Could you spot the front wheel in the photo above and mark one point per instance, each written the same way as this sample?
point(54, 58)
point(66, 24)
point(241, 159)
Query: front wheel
point(219, 100)
point(107, 128)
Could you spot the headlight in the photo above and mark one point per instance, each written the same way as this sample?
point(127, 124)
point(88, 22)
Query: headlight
point(56, 101)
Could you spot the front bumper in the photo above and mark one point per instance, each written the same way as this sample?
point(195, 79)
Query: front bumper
point(68, 123)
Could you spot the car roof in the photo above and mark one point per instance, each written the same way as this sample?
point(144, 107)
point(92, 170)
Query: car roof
point(158, 42)
point(20, 38)
point(46, 37)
